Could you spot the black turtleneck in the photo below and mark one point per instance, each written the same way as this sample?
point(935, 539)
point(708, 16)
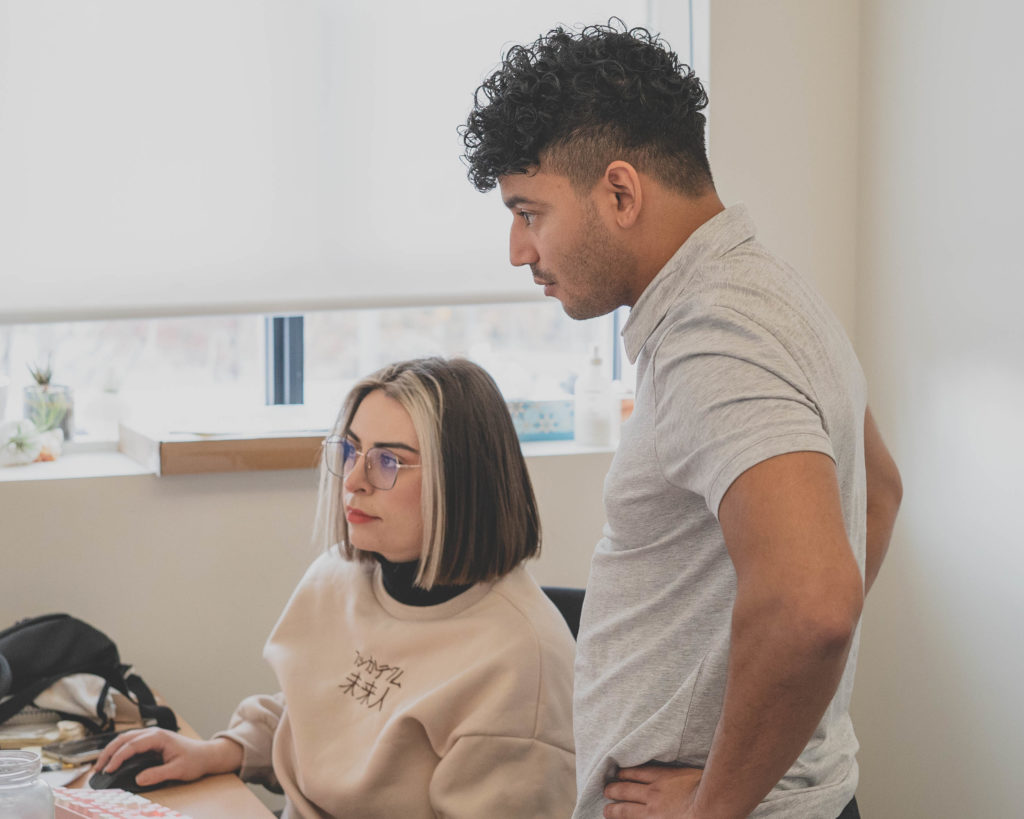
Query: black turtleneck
point(398, 583)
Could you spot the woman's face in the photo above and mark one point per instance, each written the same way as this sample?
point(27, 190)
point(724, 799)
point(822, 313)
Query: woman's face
point(386, 521)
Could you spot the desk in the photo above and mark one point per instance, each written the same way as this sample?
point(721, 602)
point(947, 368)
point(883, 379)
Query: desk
point(212, 797)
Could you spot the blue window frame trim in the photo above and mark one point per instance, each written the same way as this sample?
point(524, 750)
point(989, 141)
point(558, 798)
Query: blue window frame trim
point(285, 359)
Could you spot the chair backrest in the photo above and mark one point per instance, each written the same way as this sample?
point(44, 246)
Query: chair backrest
point(569, 601)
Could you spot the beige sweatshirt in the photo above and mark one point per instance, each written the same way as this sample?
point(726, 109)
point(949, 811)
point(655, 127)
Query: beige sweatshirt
point(461, 710)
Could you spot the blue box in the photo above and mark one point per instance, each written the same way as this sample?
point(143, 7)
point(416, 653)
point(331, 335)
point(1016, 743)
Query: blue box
point(542, 420)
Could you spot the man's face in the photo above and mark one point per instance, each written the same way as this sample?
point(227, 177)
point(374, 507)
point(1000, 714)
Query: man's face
point(571, 251)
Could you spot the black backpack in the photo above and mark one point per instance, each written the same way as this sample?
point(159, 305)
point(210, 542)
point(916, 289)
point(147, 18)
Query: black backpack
point(38, 651)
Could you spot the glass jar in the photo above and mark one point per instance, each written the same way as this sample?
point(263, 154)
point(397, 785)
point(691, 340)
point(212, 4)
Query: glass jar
point(23, 793)
point(50, 406)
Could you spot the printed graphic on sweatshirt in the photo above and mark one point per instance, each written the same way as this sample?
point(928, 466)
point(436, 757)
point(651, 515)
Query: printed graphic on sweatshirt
point(371, 681)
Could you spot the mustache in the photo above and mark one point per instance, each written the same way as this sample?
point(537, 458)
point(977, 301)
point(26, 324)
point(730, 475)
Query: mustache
point(541, 276)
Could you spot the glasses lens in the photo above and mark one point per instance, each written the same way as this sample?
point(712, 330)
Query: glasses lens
point(349, 456)
point(333, 456)
point(382, 468)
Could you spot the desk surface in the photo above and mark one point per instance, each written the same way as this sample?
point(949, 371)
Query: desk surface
point(213, 797)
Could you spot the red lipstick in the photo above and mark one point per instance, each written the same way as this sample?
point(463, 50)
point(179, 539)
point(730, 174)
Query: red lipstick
point(353, 515)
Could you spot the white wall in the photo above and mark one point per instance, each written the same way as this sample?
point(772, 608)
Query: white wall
point(939, 299)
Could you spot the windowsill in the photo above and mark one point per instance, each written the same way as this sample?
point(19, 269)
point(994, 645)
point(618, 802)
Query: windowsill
point(87, 461)
point(180, 455)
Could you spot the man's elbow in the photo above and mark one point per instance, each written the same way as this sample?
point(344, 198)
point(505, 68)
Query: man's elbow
point(885, 490)
point(835, 633)
point(830, 618)
point(894, 489)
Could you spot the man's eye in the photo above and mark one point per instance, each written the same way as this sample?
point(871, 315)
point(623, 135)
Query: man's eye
point(527, 217)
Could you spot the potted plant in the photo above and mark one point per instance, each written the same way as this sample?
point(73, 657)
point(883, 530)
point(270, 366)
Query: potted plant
point(48, 405)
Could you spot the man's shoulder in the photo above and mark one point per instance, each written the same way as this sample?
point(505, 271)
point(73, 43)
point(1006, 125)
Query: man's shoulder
point(745, 296)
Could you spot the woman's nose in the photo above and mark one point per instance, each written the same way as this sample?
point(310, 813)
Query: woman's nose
point(355, 480)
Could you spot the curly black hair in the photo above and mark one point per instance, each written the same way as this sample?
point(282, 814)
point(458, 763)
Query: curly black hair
point(580, 100)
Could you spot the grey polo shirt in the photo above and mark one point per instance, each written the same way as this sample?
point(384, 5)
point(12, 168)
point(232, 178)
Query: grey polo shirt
point(738, 360)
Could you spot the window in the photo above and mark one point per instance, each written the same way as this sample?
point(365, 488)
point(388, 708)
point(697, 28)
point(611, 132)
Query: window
point(207, 374)
point(532, 350)
point(275, 169)
point(139, 367)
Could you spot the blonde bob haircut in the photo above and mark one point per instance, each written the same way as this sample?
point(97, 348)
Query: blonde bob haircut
point(479, 512)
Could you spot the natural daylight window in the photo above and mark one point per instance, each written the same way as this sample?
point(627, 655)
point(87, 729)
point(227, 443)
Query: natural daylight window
point(137, 368)
point(208, 374)
point(292, 165)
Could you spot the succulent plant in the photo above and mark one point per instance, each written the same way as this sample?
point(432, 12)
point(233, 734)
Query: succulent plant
point(47, 405)
point(42, 373)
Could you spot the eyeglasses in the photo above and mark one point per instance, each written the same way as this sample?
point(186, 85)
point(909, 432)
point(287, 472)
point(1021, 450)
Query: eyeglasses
point(380, 465)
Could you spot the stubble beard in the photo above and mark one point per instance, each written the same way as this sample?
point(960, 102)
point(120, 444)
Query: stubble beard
point(602, 267)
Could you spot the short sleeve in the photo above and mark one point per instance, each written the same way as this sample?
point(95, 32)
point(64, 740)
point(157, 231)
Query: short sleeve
point(728, 396)
point(510, 777)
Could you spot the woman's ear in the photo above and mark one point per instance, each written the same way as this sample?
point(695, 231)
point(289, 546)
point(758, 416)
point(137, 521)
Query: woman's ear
point(622, 181)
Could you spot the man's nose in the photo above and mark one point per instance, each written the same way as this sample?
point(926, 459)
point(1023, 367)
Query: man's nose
point(521, 249)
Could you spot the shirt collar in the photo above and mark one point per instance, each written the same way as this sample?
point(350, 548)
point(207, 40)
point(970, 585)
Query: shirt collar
point(716, 237)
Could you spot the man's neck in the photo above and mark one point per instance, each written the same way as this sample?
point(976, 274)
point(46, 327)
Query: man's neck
point(671, 219)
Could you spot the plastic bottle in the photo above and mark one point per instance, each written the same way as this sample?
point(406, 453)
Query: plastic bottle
point(23, 793)
point(592, 424)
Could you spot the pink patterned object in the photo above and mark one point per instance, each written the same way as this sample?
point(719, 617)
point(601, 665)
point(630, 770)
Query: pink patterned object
point(79, 803)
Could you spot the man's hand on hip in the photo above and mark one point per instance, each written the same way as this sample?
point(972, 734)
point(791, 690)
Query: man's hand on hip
point(652, 792)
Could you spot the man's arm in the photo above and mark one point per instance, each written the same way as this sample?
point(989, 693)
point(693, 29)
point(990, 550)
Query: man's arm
point(885, 491)
point(798, 599)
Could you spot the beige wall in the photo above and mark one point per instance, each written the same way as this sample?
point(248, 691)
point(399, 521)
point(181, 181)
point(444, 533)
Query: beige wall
point(189, 573)
point(783, 131)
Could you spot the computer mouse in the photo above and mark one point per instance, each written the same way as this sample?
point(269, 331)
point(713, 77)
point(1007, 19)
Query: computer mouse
point(124, 777)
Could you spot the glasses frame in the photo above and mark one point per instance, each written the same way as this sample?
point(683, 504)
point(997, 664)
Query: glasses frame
point(367, 456)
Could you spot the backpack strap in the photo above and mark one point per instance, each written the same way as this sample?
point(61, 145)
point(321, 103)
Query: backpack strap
point(148, 707)
point(91, 726)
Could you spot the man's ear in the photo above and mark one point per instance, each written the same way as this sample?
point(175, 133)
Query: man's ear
point(622, 180)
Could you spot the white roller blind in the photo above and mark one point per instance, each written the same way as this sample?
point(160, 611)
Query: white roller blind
point(171, 157)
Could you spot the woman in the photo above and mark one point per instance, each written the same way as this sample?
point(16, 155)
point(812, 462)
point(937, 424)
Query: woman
point(423, 672)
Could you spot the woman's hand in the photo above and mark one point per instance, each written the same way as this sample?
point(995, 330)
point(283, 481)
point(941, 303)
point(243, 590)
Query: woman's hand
point(185, 759)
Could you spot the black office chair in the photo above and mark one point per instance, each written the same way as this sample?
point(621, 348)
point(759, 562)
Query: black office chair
point(569, 602)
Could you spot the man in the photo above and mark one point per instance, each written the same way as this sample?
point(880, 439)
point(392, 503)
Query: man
point(751, 500)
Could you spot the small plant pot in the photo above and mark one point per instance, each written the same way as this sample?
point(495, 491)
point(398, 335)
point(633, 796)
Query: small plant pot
point(50, 406)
